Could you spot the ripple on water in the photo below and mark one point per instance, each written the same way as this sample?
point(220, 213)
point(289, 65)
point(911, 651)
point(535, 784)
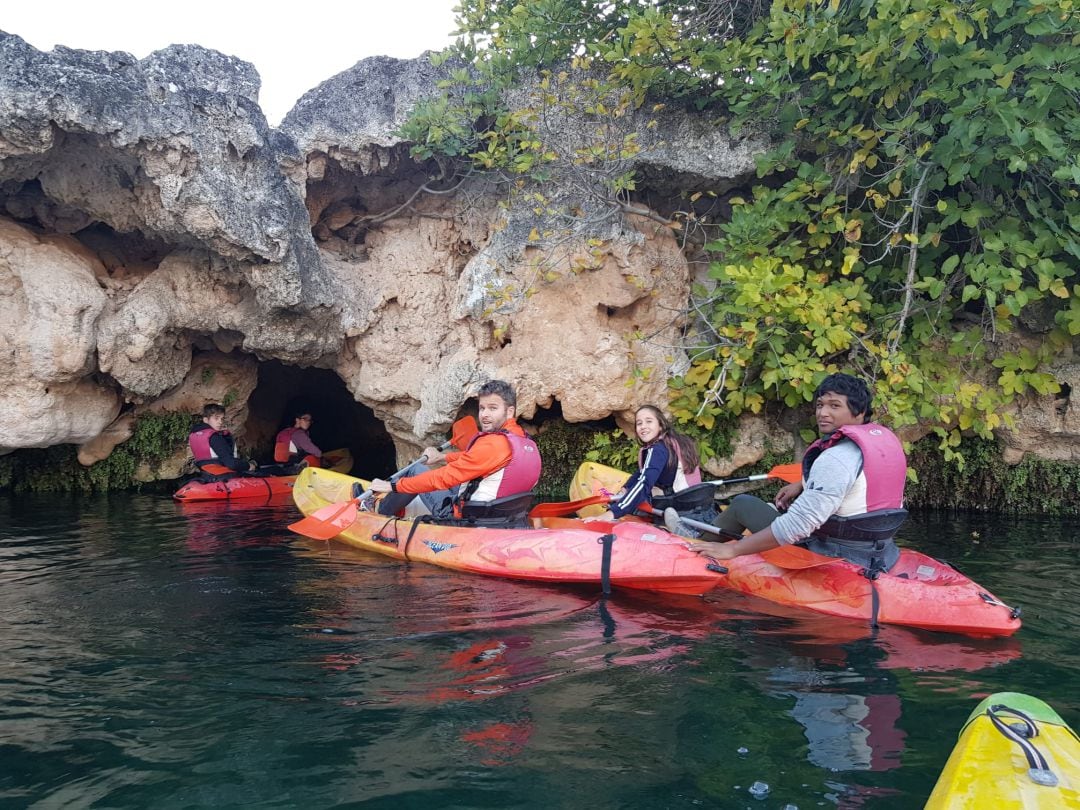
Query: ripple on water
point(166, 656)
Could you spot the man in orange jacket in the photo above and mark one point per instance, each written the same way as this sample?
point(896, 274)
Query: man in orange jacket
point(499, 462)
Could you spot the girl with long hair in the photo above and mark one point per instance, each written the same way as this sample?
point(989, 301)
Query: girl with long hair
point(668, 462)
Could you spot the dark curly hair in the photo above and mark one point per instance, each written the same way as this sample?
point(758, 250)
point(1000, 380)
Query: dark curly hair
point(501, 389)
point(857, 392)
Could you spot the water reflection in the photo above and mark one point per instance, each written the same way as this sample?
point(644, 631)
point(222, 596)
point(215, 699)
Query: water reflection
point(201, 655)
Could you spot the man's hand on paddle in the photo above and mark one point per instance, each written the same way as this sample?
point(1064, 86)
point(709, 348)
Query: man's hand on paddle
point(433, 455)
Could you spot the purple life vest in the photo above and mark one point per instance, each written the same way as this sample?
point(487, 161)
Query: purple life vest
point(516, 478)
point(199, 442)
point(884, 464)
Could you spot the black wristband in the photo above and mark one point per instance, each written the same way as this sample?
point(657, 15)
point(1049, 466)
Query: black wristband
point(393, 486)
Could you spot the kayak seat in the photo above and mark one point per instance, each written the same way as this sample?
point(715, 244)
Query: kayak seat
point(699, 496)
point(513, 510)
point(207, 477)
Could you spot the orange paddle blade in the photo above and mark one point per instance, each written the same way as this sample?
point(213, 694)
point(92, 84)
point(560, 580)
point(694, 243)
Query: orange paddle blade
point(330, 521)
point(545, 510)
point(463, 431)
point(792, 473)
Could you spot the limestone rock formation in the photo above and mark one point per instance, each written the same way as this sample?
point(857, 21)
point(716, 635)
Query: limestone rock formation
point(160, 245)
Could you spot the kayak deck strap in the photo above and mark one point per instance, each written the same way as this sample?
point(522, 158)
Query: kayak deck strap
point(1022, 733)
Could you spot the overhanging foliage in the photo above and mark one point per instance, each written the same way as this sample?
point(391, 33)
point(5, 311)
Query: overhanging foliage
point(921, 199)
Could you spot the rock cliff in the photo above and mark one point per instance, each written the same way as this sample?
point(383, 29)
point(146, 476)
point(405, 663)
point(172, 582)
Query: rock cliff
point(160, 244)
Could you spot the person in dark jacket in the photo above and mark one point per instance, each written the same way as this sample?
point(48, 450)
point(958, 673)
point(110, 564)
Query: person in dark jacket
point(213, 447)
point(667, 464)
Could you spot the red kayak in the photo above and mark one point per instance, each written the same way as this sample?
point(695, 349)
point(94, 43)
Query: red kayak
point(919, 591)
point(252, 486)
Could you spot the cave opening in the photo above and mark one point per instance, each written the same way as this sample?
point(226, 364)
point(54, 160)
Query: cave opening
point(339, 421)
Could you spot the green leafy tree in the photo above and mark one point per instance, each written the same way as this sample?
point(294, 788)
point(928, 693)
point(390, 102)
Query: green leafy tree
point(920, 200)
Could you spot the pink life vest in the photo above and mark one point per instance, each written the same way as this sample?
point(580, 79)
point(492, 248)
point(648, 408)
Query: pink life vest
point(884, 464)
point(688, 479)
point(283, 446)
point(516, 478)
point(199, 442)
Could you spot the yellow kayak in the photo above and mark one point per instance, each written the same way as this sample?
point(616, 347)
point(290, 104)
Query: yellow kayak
point(595, 479)
point(1014, 752)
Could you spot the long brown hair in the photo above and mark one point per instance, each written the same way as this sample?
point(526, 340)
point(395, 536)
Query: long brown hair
point(679, 446)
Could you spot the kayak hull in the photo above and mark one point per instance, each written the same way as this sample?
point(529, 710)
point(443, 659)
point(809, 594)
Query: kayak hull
point(986, 769)
point(643, 557)
point(266, 486)
point(250, 486)
point(919, 591)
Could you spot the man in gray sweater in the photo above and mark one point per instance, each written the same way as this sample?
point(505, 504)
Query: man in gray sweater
point(849, 503)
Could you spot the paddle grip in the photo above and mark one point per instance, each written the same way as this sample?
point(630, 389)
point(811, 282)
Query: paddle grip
point(724, 481)
point(696, 524)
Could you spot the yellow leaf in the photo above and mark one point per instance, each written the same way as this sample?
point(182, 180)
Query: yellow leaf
point(534, 235)
point(895, 187)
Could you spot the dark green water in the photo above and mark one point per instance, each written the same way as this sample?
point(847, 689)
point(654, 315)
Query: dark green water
point(162, 656)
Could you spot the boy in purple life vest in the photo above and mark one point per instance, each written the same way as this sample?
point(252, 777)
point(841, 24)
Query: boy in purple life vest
point(849, 503)
point(213, 447)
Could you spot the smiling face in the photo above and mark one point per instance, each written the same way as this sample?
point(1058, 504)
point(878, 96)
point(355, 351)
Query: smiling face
point(493, 412)
point(303, 422)
point(647, 426)
point(832, 411)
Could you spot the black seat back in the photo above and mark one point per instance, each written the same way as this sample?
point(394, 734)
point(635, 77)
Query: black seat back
point(509, 511)
point(699, 496)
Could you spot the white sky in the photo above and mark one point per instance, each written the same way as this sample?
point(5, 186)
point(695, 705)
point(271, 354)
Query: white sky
point(294, 46)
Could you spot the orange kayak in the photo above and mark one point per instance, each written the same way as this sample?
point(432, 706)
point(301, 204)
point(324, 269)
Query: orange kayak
point(251, 486)
point(643, 557)
point(919, 591)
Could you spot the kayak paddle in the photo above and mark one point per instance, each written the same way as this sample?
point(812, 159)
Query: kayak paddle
point(545, 510)
point(791, 473)
point(333, 519)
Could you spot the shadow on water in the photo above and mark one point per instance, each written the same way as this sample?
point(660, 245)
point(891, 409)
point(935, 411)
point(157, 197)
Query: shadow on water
point(201, 655)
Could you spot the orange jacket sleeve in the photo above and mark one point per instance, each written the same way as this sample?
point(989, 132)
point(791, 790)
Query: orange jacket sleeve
point(488, 454)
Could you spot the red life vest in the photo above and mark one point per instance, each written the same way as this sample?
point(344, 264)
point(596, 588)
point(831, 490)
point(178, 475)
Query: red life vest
point(516, 478)
point(884, 464)
point(199, 442)
point(283, 446)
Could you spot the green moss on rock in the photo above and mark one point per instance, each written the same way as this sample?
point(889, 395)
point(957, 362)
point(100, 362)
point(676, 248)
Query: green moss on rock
point(987, 484)
point(57, 469)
